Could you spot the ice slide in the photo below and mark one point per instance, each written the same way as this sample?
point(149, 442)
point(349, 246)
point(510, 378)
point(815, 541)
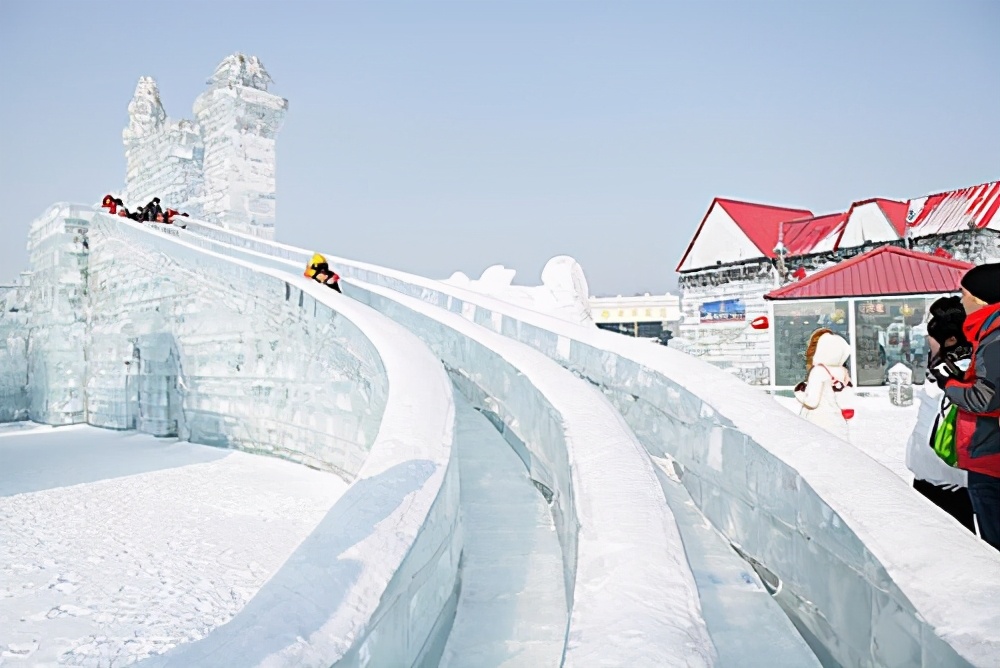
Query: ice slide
point(651, 593)
point(870, 573)
point(270, 362)
point(627, 592)
point(741, 618)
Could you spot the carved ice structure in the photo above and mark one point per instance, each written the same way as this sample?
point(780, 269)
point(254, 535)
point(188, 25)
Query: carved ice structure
point(163, 157)
point(58, 248)
point(869, 572)
point(221, 166)
point(563, 292)
point(135, 329)
point(14, 349)
point(239, 121)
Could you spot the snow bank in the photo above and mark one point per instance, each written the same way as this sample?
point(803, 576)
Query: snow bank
point(878, 575)
point(116, 546)
point(274, 363)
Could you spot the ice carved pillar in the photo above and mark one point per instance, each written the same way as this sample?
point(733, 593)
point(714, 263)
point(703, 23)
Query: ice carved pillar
point(239, 121)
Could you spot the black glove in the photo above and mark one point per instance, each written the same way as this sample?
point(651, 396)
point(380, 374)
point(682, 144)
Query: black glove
point(944, 370)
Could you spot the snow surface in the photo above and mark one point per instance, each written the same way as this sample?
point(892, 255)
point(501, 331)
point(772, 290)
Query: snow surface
point(879, 429)
point(128, 545)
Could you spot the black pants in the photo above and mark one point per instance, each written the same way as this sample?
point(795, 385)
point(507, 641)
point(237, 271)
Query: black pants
point(957, 503)
point(985, 493)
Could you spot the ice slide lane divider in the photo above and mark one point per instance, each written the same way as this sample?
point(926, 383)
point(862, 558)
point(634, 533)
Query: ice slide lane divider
point(375, 584)
point(630, 589)
point(877, 575)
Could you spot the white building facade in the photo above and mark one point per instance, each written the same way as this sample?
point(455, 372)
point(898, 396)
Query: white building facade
point(644, 316)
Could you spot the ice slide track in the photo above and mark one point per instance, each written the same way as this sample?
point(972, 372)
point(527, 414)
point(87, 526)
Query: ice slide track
point(790, 498)
point(741, 619)
point(630, 593)
point(654, 605)
point(349, 592)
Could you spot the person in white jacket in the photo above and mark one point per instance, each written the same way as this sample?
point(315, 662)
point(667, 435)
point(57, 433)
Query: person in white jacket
point(942, 484)
point(826, 393)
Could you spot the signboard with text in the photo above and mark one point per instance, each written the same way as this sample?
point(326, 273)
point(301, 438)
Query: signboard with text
point(726, 310)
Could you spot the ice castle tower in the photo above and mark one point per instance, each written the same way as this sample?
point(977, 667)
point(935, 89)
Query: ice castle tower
point(163, 157)
point(239, 120)
point(219, 167)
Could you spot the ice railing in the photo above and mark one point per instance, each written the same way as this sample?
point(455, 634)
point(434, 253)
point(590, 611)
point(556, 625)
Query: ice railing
point(638, 602)
point(376, 581)
point(876, 575)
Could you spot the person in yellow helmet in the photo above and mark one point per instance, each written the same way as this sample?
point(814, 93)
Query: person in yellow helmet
point(320, 271)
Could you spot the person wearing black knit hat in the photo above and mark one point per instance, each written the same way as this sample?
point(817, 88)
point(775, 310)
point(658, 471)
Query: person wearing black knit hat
point(930, 451)
point(976, 393)
point(981, 287)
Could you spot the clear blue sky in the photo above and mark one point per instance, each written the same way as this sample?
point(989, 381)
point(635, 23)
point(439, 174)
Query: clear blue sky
point(441, 136)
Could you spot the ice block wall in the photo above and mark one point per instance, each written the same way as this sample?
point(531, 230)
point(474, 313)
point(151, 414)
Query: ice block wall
point(240, 120)
point(182, 343)
point(14, 350)
point(58, 250)
point(163, 157)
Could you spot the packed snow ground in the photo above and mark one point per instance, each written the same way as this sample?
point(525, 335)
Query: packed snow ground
point(132, 558)
point(878, 429)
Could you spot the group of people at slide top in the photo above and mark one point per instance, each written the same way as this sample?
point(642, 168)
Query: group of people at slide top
point(954, 450)
point(319, 270)
point(152, 212)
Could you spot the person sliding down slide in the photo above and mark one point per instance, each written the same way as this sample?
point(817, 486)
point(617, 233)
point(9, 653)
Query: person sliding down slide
point(320, 271)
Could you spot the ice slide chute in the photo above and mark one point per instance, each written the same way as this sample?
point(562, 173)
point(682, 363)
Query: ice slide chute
point(869, 569)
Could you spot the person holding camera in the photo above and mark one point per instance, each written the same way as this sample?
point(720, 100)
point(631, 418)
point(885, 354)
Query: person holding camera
point(930, 452)
point(976, 393)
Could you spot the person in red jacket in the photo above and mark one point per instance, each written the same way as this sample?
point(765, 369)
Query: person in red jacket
point(976, 393)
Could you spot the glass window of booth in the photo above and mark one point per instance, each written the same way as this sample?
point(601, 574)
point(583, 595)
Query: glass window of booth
point(890, 331)
point(794, 323)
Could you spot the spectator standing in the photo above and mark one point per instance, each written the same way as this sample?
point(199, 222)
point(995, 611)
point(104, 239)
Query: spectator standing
point(975, 392)
point(935, 474)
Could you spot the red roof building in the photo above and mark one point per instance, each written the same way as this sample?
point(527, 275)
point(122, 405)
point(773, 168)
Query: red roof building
point(972, 208)
point(734, 231)
point(877, 301)
point(813, 235)
point(883, 272)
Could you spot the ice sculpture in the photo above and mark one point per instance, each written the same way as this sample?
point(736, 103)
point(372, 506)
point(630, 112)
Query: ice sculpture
point(14, 349)
point(260, 362)
point(563, 292)
point(163, 157)
point(239, 120)
point(221, 166)
point(58, 247)
point(792, 500)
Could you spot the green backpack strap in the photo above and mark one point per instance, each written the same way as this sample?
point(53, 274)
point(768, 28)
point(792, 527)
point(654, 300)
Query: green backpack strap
point(944, 437)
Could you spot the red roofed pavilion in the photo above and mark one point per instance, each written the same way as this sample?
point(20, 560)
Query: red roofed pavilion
point(885, 271)
point(878, 301)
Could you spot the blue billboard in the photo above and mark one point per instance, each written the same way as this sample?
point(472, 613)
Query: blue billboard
point(723, 311)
